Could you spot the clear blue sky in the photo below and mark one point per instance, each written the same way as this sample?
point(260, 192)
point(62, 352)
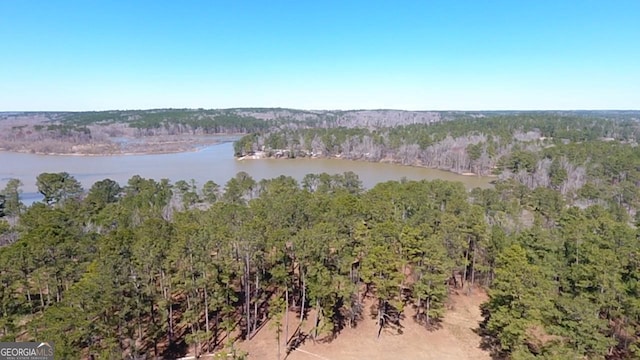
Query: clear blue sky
point(418, 55)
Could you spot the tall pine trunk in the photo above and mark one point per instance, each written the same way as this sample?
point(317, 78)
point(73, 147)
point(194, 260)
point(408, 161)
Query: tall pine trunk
point(247, 295)
point(278, 341)
point(153, 320)
point(428, 309)
point(304, 298)
point(41, 294)
point(166, 292)
point(286, 316)
point(316, 322)
point(29, 297)
point(473, 271)
point(206, 317)
point(381, 311)
point(463, 278)
point(48, 294)
point(255, 303)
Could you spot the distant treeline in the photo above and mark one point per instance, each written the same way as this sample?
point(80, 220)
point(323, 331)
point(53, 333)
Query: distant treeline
point(170, 121)
point(88, 127)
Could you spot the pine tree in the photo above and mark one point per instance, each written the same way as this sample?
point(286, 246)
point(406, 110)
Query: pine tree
point(520, 300)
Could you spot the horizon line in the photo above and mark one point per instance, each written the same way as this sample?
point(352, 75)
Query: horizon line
point(315, 110)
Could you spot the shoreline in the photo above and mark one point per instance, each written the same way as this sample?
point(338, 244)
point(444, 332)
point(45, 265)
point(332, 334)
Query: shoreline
point(151, 145)
point(383, 161)
point(194, 148)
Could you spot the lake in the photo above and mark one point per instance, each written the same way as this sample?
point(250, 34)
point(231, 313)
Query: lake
point(214, 162)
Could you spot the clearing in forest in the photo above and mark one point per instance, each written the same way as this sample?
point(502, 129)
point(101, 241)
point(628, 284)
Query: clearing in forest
point(456, 338)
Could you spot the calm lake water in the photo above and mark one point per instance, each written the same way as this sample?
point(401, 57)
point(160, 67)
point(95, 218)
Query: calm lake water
point(210, 163)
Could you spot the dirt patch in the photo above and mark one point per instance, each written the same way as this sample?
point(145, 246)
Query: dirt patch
point(454, 340)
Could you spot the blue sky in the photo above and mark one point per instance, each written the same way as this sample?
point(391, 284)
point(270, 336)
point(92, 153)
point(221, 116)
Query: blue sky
point(414, 55)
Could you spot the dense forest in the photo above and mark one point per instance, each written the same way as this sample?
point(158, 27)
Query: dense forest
point(161, 269)
point(153, 269)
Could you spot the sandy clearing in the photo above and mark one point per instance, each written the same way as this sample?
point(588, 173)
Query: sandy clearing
point(454, 340)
